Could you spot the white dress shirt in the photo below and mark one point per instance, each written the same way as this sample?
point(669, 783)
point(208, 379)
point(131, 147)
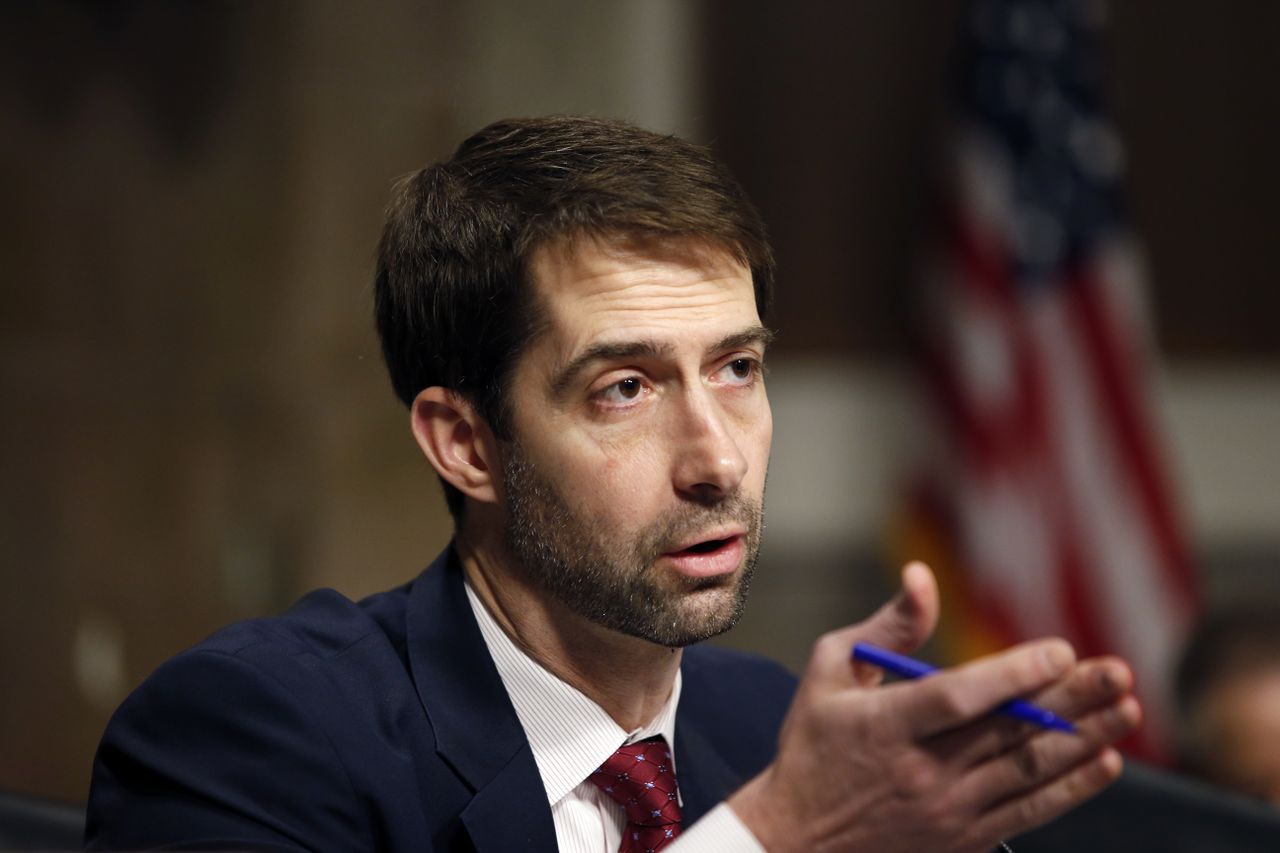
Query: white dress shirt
point(570, 736)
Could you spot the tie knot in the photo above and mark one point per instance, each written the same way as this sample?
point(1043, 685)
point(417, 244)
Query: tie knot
point(638, 776)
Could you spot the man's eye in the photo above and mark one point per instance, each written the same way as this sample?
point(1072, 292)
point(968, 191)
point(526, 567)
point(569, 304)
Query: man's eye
point(740, 371)
point(623, 391)
point(629, 388)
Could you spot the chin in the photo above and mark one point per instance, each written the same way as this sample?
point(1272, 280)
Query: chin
point(708, 613)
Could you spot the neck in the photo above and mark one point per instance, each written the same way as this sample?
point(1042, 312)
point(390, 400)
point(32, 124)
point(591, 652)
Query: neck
point(628, 677)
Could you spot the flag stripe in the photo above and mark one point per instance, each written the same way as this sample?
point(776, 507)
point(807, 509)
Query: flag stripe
point(1122, 399)
point(1048, 488)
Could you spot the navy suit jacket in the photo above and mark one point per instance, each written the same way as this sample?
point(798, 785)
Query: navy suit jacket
point(378, 725)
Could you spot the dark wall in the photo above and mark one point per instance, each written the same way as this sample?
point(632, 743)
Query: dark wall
point(827, 111)
point(197, 426)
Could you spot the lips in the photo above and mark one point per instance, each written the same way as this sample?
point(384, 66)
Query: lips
point(709, 540)
point(707, 556)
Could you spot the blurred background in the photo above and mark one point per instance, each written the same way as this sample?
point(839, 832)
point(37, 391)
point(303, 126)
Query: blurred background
point(197, 426)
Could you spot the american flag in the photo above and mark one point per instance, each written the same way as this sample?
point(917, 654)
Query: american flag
point(1045, 506)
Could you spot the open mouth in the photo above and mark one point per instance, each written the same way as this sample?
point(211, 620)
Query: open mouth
point(710, 557)
point(707, 547)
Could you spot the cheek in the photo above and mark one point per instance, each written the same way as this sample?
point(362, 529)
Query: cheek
point(612, 475)
point(756, 431)
point(764, 435)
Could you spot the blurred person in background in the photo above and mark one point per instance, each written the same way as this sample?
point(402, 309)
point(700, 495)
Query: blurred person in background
point(1227, 691)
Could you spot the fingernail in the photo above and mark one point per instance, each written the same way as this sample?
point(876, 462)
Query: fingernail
point(1109, 765)
point(1123, 717)
point(1115, 678)
point(1057, 656)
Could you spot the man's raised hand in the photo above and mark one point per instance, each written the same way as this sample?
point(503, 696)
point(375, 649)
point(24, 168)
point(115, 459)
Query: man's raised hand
point(923, 765)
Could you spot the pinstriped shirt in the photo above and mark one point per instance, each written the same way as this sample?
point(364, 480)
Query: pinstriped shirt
point(570, 736)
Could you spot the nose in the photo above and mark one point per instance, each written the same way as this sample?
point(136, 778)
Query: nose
point(708, 463)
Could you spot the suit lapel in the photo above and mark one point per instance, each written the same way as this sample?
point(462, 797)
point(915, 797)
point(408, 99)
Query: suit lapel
point(477, 731)
point(510, 814)
point(705, 778)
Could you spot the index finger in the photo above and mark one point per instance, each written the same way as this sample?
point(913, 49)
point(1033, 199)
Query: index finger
point(952, 698)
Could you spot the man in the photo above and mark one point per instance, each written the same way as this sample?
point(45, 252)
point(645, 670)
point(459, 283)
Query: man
point(574, 311)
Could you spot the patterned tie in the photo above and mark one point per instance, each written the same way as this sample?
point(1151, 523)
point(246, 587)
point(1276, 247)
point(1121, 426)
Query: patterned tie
point(640, 779)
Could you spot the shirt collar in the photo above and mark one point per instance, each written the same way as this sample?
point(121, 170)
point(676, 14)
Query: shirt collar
point(569, 734)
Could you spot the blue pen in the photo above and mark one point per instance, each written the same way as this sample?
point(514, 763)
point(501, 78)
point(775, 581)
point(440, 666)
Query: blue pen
point(912, 668)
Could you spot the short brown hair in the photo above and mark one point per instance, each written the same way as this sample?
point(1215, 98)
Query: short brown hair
point(453, 300)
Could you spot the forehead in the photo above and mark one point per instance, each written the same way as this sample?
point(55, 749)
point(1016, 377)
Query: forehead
point(592, 290)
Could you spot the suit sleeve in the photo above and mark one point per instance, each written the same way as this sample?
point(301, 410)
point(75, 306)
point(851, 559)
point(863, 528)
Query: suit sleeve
point(213, 752)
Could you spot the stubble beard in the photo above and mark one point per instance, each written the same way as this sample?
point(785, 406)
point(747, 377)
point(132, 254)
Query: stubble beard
point(614, 581)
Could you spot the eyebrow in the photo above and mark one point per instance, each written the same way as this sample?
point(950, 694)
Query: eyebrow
point(650, 349)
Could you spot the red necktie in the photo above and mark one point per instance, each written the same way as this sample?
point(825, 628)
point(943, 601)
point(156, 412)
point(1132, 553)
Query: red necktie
point(640, 779)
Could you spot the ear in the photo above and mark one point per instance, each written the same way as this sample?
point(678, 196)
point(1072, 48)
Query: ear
point(456, 441)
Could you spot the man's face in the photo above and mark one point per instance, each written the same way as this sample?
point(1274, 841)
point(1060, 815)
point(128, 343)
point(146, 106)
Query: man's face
point(635, 482)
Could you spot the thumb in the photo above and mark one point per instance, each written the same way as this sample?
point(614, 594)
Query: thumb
point(905, 621)
point(902, 624)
